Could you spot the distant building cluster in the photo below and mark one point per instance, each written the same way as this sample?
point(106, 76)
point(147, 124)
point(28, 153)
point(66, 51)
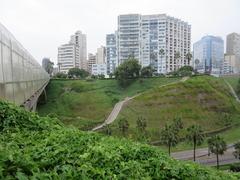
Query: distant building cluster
point(157, 40)
point(73, 54)
point(160, 41)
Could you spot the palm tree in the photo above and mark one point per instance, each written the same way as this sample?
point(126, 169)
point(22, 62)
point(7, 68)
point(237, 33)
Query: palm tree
point(108, 130)
point(123, 126)
point(188, 57)
point(236, 153)
point(169, 137)
point(218, 146)
point(195, 136)
point(177, 56)
point(141, 124)
point(161, 53)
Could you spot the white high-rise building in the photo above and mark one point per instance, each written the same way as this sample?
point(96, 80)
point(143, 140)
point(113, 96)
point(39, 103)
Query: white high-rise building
point(101, 54)
point(99, 69)
point(233, 44)
point(129, 37)
point(80, 40)
point(111, 52)
point(73, 54)
point(230, 65)
point(91, 60)
point(157, 40)
point(68, 57)
point(233, 50)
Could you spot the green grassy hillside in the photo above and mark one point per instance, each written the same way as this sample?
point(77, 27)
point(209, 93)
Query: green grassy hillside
point(201, 100)
point(87, 103)
point(33, 147)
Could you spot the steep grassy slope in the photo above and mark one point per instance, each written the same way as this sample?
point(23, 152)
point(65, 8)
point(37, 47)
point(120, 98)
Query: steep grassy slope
point(41, 148)
point(203, 100)
point(86, 103)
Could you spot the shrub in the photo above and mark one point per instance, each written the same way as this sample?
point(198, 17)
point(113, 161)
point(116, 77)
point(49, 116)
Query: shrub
point(32, 147)
point(235, 168)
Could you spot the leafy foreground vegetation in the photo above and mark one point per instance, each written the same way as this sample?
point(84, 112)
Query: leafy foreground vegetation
point(86, 103)
point(202, 100)
point(42, 148)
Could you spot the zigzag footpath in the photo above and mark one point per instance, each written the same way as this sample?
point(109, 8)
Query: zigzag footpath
point(117, 108)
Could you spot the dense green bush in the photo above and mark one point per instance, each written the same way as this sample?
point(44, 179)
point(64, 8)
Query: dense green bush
point(127, 71)
point(43, 149)
point(15, 118)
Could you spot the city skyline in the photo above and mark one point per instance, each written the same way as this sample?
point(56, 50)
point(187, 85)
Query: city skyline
point(41, 26)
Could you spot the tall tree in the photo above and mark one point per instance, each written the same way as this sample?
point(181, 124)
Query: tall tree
point(123, 126)
point(195, 136)
point(108, 130)
point(147, 71)
point(161, 53)
point(141, 124)
point(236, 153)
point(169, 137)
point(128, 70)
point(177, 57)
point(177, 124)
point(217, 145)
point(188, 56)
point(47, 65)
point(76, 72)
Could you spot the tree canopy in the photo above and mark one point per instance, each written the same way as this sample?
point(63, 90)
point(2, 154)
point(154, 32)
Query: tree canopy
point(195, 136)
point(77, 73)
point(128, 70)
point(48, 66)
point(218, 146)
point(147, 71)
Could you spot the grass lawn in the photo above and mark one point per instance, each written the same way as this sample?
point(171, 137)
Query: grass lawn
point(84, 104)
point(200, 100)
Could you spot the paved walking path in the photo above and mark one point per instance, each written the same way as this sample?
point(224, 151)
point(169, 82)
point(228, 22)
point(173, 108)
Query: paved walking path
point(113, 115)
point(117, 108)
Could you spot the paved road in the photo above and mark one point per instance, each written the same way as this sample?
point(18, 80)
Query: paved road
point(203, 158)
point(117, 108)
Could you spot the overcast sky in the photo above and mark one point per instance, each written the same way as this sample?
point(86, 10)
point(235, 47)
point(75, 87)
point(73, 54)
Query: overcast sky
point(42, 25)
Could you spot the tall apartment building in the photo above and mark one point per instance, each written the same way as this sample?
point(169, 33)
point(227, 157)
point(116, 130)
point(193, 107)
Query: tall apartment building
point(145, 36)
point(68, 57)
point(111, 52)
point(80, 40)
point(91, 60)
point(233, 49)
point(208, 55)
point(129, 37)
point(230, 64)
point(101, 54)
point(233, 44)
point(73, 54)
